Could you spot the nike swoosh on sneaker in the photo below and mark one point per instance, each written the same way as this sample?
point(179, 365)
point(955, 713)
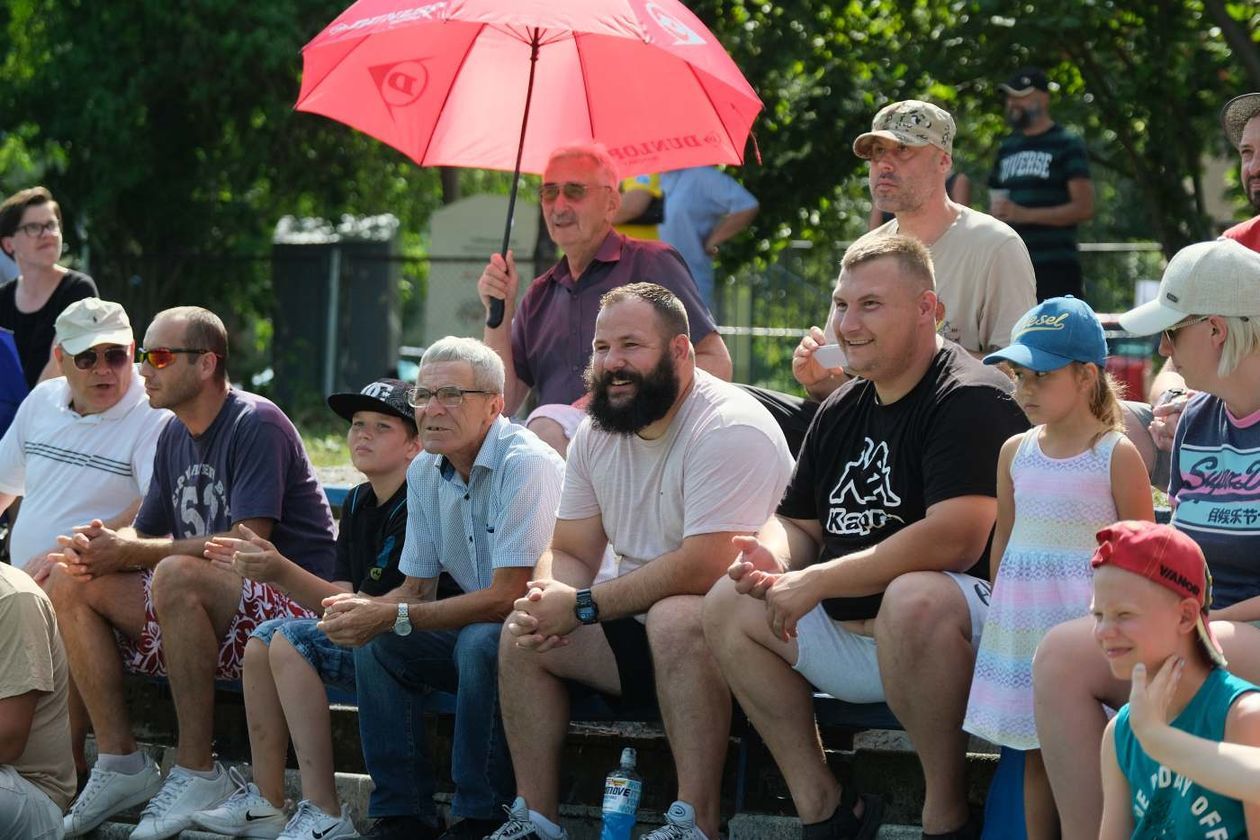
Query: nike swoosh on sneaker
point(319, 834)
point(250, 816)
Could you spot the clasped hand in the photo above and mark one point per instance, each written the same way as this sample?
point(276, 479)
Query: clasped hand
point(788, 595)
point(543, 618)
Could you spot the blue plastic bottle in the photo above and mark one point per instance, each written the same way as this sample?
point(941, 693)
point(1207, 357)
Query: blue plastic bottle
point(622, 790)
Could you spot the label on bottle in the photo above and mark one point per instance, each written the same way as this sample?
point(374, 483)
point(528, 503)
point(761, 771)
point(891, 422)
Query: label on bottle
point(621, 795)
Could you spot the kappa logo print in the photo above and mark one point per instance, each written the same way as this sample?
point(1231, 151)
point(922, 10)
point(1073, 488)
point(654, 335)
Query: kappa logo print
point(401, 84)
point(684, 35)
point(864, 493)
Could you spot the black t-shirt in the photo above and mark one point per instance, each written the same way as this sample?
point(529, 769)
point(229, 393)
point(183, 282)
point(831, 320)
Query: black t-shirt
point(33, 332)
point(868, 470)
point(370, 540)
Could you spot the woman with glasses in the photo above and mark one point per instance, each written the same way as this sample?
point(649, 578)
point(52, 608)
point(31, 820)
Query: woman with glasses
point(1207, 314)
point(30, 233)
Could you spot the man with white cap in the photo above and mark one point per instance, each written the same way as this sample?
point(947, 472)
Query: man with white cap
point(1240, 118)
point(1207, 313)
point(81, 445)
point(984, 277)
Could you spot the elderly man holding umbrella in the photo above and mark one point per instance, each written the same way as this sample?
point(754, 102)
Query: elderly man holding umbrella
point(546, 342)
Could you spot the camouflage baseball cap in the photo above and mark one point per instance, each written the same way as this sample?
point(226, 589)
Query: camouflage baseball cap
point(1237, 113)
point(911, 122)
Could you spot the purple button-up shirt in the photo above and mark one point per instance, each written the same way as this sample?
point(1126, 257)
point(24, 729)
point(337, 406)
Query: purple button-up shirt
point(554, 326)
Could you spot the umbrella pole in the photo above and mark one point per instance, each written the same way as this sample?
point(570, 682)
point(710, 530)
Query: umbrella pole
point(495, 317)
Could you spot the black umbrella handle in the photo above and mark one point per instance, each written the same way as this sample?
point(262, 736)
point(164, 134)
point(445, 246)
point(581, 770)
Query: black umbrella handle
point(495, 316)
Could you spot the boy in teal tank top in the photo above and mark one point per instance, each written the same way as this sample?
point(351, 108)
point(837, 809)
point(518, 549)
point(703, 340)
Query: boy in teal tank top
point(1151, 597)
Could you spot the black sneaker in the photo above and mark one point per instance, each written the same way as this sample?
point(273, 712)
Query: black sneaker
point(402, 828)
point(470, 829)
point(971, 831)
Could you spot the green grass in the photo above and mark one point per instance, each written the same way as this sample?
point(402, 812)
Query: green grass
point(326, 449)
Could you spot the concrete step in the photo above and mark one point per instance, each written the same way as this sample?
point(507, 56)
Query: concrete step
point(880, 762)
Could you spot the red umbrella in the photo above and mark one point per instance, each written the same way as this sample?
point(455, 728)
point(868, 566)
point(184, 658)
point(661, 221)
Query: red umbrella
point(446, 83)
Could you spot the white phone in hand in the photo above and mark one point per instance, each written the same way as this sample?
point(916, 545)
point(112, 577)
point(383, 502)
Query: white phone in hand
point(830, 356)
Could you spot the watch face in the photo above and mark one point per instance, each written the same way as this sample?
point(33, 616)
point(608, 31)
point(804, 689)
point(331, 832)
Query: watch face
point(585, 614)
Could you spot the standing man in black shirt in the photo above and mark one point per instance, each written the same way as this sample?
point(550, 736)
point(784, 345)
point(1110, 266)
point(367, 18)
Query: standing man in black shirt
point(30, 233)
point(870, 583)
point(1040, 185)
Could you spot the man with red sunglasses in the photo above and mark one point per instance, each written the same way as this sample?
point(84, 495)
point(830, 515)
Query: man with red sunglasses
point(81, 445)
point(146, 598)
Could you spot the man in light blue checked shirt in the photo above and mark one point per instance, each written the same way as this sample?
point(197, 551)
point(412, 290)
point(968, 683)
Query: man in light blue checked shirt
point(481, 504)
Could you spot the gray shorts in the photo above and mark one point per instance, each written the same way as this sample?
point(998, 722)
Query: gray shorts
point(25, 810)
point(843, 664)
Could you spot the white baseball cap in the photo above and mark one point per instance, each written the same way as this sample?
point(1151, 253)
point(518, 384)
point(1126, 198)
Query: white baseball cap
point(1220, 277)
point(92, 321)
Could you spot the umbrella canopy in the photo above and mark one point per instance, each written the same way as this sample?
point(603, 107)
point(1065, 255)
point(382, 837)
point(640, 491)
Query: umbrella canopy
point(449, 83)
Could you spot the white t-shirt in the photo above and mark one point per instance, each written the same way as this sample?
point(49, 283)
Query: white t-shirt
point(721, 466)
point(71, 468)
point(984, 277)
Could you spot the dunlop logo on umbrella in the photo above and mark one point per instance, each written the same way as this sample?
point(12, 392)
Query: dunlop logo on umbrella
point(683, 34)
point(402, 83)
point(634, 151)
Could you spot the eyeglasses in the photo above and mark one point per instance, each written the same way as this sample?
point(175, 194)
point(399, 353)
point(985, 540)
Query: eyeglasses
point(34, 229)
point(115, 357)
point(447, 395)
point(160, 357)
point(1189, 322)
point(573, 190)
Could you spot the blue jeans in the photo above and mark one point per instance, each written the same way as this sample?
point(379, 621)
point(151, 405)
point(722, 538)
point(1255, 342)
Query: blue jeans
point(393, 674)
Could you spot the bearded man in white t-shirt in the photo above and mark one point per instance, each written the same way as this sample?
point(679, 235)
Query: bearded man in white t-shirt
point(668, 467)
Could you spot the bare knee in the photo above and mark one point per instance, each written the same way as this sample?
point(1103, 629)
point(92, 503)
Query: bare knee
point(63, 589)
point(674, 627)
point(1057, 662)
point(179, 582)
point(719, 607)
point(920, 607)
point(283, 655)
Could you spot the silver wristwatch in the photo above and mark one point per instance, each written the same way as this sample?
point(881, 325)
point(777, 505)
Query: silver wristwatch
point(402, 624)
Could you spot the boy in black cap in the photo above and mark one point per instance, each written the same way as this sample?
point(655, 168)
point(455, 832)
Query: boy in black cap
point(1040, 184)
point(288, 662)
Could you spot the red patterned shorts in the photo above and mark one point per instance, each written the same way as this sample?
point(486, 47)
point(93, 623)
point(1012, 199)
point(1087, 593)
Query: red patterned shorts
point(259, 602)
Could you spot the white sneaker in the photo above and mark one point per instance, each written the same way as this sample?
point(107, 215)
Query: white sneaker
point(107, 793)
point(246, 813)
point(181, 796)
point(311, 823)
point(680, 824)
point(520, 826)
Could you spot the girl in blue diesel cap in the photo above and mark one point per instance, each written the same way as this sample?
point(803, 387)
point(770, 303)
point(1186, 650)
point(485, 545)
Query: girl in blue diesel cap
point(1058, 483)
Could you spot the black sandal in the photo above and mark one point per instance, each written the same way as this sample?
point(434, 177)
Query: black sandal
point(843, 825)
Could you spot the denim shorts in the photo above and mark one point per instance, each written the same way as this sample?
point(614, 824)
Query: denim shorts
point(334, 664)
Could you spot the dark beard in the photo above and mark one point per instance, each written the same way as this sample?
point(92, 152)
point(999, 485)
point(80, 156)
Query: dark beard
point(654, 395)
point(1254, 195)
point(1022, 118)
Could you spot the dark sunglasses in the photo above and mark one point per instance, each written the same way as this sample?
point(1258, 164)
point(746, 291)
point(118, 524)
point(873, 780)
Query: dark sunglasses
point(115, 357)
point(160, 357)
point(573, 190)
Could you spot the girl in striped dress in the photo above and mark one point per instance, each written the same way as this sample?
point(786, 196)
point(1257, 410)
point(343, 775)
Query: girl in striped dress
point(1073, 473)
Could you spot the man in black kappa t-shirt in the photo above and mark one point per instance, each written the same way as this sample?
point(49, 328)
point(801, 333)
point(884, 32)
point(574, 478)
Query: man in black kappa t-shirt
point(884, 529)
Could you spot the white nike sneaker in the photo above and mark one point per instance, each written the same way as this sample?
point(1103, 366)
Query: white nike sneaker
point(181, 796)
point(107, 793)
point(246, 813)
point(680, 824)
point(311, 823)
